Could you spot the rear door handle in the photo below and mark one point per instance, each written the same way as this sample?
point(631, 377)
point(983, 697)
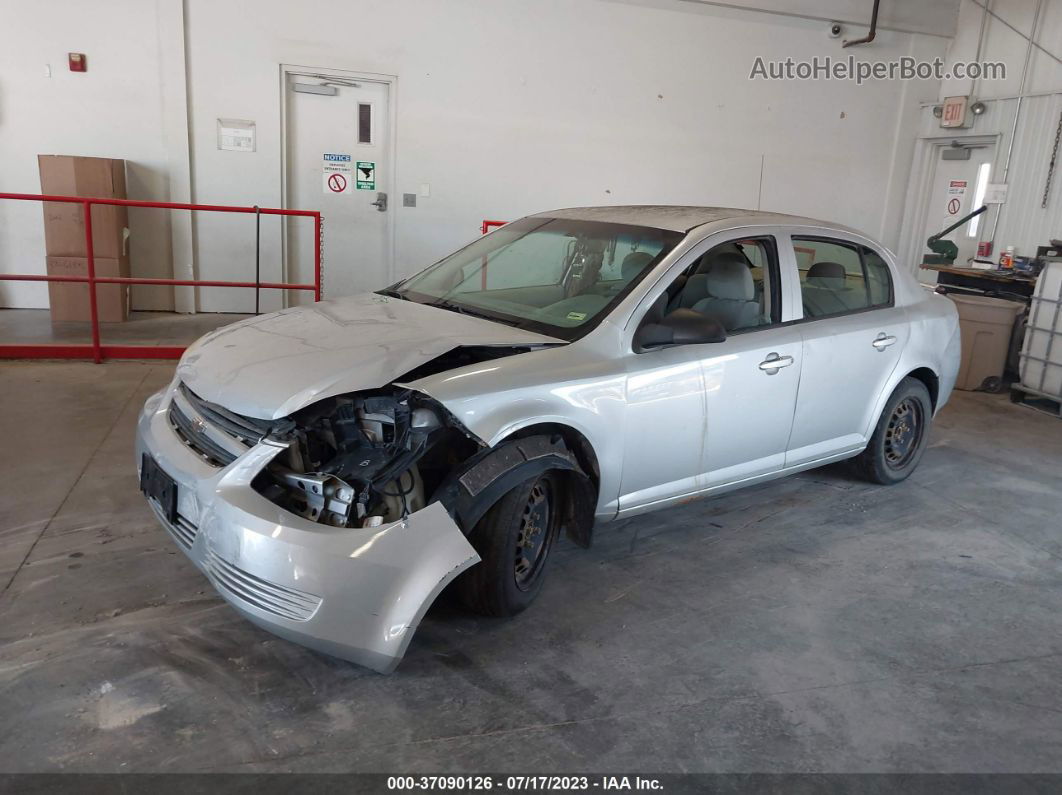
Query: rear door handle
point(773, 363)
point(883, 341)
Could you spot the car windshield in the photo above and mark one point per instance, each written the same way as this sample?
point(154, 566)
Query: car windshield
point(552, 275)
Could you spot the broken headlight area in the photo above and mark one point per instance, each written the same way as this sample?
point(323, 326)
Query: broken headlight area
point(364, 459)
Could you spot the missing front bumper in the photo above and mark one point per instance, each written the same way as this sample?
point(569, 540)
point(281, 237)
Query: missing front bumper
point(355, 593)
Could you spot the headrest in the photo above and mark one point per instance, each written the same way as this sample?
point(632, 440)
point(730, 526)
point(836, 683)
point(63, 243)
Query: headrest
point(827, 270)
point(634, 263)
point(730, 278)
point(719, 252)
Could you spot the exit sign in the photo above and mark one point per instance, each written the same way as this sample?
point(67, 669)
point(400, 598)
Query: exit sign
point(954, 114)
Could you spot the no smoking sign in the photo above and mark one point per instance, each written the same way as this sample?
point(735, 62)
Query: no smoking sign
point(336, 174)
point(337, 183)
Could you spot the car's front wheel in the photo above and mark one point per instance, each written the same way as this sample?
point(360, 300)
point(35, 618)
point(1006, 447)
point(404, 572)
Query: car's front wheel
point(514, 539)
point(900, 436)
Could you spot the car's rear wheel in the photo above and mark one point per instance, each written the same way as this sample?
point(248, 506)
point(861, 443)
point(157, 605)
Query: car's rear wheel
point(900, 437)
point(514, 539)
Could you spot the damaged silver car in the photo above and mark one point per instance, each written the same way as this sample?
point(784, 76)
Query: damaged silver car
point(331, 468)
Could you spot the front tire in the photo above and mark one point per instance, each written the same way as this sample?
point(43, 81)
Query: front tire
point(513, 539)
point(900, 437)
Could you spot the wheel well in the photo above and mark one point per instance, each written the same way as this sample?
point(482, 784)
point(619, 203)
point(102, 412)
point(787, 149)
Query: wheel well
point(575, 441)
point(932, 383)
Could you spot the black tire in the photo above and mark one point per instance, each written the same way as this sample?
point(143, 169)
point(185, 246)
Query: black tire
point(511, 573)
point(900, 437)
point(993, 384)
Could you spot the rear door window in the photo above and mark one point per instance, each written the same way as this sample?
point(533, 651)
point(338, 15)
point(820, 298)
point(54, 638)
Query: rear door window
point(838, 277)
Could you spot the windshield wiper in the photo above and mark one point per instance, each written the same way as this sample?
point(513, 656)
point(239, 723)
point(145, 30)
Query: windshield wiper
point(392, 293)
point(461, 309)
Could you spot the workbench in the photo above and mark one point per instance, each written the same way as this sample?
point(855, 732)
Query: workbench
point(1002, 283)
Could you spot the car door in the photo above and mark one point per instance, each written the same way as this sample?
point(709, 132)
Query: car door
point(853, 336)
point(704, 416)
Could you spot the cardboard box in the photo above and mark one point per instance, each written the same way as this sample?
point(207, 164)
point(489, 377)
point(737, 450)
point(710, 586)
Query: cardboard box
point(64, 224)
point(70, 300)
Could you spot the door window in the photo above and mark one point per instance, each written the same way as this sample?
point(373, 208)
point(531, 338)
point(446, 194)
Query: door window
point(879, 280)
point(836, 277)
point(735, 282)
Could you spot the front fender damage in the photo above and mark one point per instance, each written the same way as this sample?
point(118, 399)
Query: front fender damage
point(470, 493)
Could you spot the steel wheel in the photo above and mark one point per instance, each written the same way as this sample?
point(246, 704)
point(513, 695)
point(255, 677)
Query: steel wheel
point(903, 435)
point(535, 535)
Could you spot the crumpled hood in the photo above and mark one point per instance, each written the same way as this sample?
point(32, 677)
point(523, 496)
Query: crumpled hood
point(272, 365)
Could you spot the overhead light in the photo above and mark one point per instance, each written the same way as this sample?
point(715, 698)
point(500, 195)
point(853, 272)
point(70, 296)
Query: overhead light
point(978, 108)
point(938, 111)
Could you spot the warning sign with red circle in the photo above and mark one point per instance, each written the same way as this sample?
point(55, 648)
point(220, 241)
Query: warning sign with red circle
point(337, 174)
point(956, 193)
point(337, 183)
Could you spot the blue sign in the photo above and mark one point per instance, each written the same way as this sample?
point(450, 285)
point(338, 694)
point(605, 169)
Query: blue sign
point(337, 158)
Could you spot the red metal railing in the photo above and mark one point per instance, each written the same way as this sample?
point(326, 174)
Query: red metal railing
point(98, 351)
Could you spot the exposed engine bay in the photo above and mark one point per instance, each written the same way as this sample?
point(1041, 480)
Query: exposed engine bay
point(364, 459)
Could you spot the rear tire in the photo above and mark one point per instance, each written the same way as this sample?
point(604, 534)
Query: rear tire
point(514, 539)
point(900, 437)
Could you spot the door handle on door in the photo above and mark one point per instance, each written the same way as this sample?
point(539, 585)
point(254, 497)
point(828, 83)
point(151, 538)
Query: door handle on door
point(883, 341)
point(381, 202)
point(773, 363)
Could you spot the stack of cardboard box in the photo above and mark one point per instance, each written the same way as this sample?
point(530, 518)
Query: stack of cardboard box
point(64, 235)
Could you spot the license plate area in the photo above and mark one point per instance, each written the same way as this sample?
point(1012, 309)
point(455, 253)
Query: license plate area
point(159, 486)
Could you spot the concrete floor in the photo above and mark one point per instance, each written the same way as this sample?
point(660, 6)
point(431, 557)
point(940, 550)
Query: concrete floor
point(812, 624)
point(35, 327)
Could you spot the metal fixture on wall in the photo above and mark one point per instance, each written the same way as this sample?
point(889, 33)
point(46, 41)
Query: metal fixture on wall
point(871, 33)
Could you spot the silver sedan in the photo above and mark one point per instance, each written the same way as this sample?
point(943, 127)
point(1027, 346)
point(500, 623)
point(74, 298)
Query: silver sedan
point(331, 468)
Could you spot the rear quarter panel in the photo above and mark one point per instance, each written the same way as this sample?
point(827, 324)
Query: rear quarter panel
point(933, 344)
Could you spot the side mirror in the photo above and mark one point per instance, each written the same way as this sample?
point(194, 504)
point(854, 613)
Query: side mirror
point(681, 327)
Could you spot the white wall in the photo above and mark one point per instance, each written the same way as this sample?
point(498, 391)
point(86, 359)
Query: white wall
point(514, 107)
point(504, 107)
point(112, 110)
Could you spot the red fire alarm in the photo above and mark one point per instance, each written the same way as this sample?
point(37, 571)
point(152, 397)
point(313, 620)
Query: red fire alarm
point(77, 62)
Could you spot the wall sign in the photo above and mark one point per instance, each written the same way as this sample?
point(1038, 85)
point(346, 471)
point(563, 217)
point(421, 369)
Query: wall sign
point(366, 175)
point(236, 135)
point(996, 193)
point(336, 174)
point(956, 194)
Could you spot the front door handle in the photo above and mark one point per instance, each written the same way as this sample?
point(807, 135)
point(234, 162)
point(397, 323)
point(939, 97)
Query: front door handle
point(773, 363)
point(883, 341)
point(381, 202)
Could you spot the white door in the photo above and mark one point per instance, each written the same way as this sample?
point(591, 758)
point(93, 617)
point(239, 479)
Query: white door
point(338, 162)
point(958, 188)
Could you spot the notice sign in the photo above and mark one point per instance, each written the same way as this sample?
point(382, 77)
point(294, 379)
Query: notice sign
point(996, 193)
point(366, 175)
point(956, 193)
point(337, 176)
point(236, 135)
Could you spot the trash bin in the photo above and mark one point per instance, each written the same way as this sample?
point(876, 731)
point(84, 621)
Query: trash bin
point(986, 325)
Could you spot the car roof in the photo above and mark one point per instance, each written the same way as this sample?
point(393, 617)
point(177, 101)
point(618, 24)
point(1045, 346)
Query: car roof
point(683, 218)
